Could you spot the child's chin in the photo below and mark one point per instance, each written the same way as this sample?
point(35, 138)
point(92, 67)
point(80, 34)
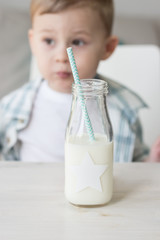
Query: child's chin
point(61, 85)
point(64, 88)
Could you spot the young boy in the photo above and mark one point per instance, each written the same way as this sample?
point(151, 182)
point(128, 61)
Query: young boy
point(34, 118)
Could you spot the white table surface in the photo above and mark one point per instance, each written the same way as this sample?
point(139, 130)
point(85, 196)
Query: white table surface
point(33, 206)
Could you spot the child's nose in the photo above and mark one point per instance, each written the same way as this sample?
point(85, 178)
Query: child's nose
point(61, 54)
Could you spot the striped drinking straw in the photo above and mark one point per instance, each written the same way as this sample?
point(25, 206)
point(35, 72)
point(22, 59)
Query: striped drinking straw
point(81, 98)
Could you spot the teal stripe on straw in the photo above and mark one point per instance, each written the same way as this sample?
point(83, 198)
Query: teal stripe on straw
point(81, 98)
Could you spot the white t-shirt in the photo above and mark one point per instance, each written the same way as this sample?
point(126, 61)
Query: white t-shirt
point(43, 139)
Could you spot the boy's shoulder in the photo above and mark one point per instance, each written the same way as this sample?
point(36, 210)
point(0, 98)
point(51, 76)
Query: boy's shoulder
point(20, 100)
point(123, 98)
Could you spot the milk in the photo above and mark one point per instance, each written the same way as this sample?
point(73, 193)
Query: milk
point(88, 170)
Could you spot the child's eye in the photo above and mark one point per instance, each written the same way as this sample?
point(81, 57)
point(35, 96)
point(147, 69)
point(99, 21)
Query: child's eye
point(49, 41)
point(78, 42)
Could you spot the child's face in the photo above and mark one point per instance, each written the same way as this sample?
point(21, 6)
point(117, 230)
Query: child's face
point(81, 29)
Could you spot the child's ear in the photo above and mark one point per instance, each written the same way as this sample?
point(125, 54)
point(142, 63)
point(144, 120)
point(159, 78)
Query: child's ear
point(31, 41)
point(111, 44)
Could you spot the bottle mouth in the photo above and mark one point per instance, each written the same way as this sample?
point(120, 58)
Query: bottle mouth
point(90, 87)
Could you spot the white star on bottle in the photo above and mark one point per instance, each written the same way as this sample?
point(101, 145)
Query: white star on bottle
point(88, 174)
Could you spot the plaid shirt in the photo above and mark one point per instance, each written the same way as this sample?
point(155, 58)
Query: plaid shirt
point(123, 106)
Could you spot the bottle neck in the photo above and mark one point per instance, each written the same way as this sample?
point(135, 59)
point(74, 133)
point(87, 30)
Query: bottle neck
point(90, 88)
point(89, 110)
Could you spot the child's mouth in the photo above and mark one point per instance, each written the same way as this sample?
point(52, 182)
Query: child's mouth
point(63, 74)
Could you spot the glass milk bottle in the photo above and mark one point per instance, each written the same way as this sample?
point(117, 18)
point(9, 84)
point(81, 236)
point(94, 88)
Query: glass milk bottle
point(89, 163)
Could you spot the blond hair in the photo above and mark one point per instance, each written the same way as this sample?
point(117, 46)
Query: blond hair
point(105, 8)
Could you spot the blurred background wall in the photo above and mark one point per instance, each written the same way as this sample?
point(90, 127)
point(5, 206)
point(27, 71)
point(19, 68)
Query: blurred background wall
point(138, 21)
